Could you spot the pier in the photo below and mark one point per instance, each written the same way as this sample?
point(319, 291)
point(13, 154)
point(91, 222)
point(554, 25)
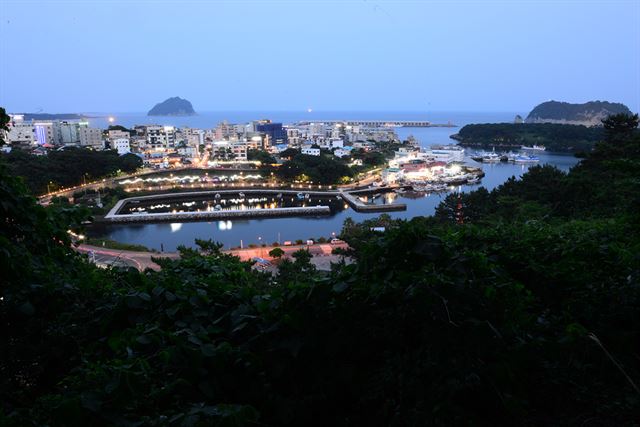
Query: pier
point(227, 214)
point(359, 206)
point(384, 123)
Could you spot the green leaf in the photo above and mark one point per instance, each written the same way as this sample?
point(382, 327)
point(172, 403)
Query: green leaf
point(208, 350)
point(27, 309)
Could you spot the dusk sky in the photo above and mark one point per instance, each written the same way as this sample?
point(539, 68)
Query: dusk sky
point(125, 56)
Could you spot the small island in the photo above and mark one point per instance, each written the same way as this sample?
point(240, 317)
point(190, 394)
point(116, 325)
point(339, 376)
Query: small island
point(175, 106)
point(588, 114)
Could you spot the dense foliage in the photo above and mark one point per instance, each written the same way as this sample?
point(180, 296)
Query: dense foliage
point(576, 112)
point(260, 155)
point(324, 169)
point(519, 316)
point(555, 137)
point(53, 170)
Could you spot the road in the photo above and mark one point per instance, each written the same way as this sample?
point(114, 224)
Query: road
point(138, 259)
point(45, 199)
point(322, 256)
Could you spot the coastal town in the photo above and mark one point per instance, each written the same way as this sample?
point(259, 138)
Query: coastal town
point(371, 150)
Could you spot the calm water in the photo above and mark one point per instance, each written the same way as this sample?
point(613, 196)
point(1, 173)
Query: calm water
point(230, 233)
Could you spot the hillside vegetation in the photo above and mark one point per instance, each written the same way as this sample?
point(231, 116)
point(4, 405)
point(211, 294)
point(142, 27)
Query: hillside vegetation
point(67, 168)
point(555, 137)
point(521, 308)
point(590, 113)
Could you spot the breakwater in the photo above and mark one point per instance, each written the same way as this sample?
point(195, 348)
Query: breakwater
point(114, 215)
point(359, 206)
point(226, 214)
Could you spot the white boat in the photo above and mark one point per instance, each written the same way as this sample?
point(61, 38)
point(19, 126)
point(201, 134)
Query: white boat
point(533, 148)
point(446, 153)
point(521, 159)
point(491, 158)
point(473, 180)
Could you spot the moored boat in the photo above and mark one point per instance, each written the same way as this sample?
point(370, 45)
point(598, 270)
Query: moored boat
point(533, 148)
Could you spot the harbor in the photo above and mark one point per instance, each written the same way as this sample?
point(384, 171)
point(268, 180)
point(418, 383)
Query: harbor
point(241, 203)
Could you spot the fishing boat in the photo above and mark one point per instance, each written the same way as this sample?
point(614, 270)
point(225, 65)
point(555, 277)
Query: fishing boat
point(491, 158)
point(533, 148)
point(522, 159)
point(473, 180)
point(300, 196)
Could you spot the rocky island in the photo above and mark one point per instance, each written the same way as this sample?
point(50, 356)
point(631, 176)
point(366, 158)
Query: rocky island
point(588, 114)
point(559, 126)
point(175, 106)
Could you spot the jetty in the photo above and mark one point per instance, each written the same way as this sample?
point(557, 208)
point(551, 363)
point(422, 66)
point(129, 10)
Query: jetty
point(359, 206)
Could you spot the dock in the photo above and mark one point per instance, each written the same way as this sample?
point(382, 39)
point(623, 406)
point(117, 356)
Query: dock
point(359, 206)
point(215, 215)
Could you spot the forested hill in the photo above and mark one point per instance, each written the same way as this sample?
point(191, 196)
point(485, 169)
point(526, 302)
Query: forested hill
point(515, 307)
point(588, 114)
point(555, 137)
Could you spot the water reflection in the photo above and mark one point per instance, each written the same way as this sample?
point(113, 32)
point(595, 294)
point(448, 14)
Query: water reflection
point(292, 228)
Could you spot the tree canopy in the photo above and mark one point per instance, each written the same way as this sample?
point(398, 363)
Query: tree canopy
point(530, 318)
point(319, 169)
point(55, 168)
point(555, 137)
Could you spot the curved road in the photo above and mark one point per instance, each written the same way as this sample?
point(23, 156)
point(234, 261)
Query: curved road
point(322, 256)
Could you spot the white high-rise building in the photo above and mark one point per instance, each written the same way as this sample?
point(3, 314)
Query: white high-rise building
point(161, 137)
point(46, 132)
point(21, 133)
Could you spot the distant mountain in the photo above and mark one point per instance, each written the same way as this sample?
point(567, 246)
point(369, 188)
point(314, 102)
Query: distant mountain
point(49, 116)
point(587, 114)
point(172, 107)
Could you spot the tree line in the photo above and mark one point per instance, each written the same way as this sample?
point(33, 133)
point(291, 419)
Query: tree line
point(555, 137)
point(67, 168)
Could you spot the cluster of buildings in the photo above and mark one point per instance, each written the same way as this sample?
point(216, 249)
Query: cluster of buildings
point(169, 146)
point(38, 135)
point(412, 164)
point(164, 146)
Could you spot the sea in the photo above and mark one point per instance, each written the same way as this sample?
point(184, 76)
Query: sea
point(246, 231)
